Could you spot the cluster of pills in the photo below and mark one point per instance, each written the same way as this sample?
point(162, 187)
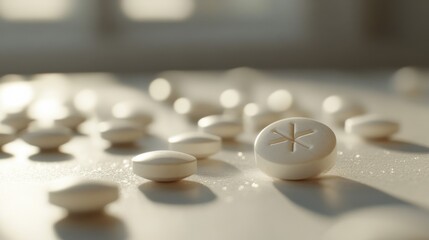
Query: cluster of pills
point(288, 148)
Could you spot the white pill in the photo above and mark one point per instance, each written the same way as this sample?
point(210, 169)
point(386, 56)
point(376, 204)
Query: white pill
point(408, 81)
point(339, 108)
point(7, 134)
point(120, 131)
point(19, 120)
point(257, 117)
point(295, 148)
point(80, 195)
point(164, 165)
point(280, 101)
point(161, 90)
point(381, 223)
point(198, 144)
point(371, 126)
point(131, 112)
point(231, 99)
point(70, 118)
point(194, 110)
point(223, 126)
point(47, 138)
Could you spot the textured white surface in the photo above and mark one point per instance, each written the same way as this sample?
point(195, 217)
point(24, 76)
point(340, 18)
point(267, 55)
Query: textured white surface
point(228, 198)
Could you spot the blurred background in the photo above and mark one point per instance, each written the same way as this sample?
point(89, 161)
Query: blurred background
point(154, 35)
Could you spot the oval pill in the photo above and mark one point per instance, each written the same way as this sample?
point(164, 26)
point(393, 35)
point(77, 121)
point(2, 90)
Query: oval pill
point(371, 126)
point(7, 134)
point(120, 131)
point(295, 148)
point(340, 108)
point(47, 138)
point(80, 195)
point(164, 165)
point(198, 144)
point(222, 126)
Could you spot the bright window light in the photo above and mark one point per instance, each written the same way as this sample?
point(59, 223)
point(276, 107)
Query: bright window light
point(158, 10)
point(32, 10)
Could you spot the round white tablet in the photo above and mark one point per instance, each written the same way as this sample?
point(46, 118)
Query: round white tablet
point(280, 100)
point(80, 195)
point(381, 223)
point(7, 134)
point(131, 112)
point(164, 165)
point(223, 126)
point(198, 144)
point(120, 131)
point(256, 117)
point(46, 138)
point(371, 126)
point(339, 108)
point(295, 148)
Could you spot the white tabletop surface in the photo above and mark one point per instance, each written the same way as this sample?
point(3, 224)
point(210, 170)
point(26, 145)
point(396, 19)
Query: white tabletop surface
point(228, 198)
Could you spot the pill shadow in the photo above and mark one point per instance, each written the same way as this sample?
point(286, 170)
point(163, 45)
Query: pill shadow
point(216, 168)
point(180, 193)
point(98, 225)
point(332, 196)
point(400, 146)
point(125, 149)
point(236, 146)
point(152, 142)
point(51, 156)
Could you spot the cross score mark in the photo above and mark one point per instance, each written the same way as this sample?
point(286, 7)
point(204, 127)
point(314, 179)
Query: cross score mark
point(293, 139)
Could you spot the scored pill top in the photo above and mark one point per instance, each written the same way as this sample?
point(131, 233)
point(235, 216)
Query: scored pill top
point(295, 141)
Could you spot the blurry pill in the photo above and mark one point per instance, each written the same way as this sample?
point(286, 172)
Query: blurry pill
point(46, 138)
point(222, 126)
point(79, 195)
point(340, 108)
point(408, 81)
point(131, 112)
point(381, 223)
point(71, 118)
point(120, 131)
point(161, 90)
point(371, 126)
point(7, 134)
point(164, 165)
point(194, 110)
point(18, 120)
point(198, 144)
point(232, 102)
point(231, 99)
point(280, 100)
point(256, 117)
point(295, 148)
